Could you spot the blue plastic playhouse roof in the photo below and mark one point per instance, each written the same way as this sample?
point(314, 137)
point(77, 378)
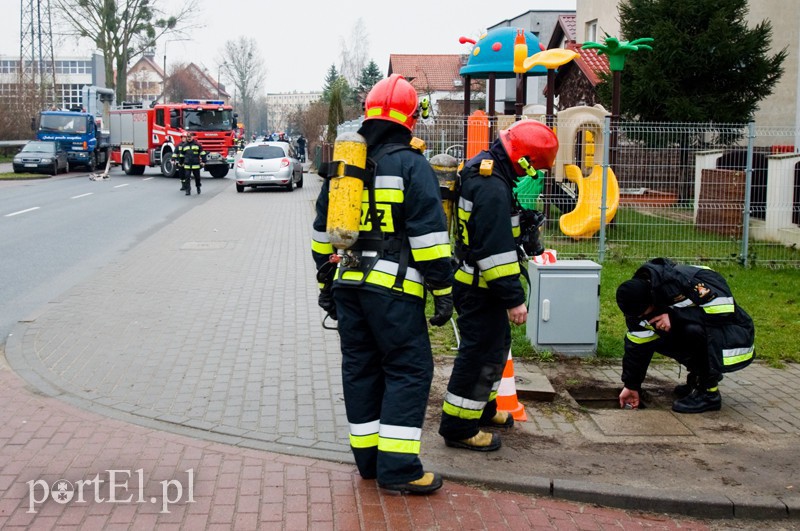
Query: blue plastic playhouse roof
point(494, 53)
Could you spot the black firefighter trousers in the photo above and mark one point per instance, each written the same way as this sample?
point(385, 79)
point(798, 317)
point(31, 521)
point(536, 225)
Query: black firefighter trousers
point(688, 343)
point(387, 368)
point(478, 368)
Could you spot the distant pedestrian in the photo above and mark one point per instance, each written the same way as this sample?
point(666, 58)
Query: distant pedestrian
point(687, 313)
point(301, 148)
point(191, 157)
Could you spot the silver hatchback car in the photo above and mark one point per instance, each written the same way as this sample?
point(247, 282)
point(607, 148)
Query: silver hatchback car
point(268, 164)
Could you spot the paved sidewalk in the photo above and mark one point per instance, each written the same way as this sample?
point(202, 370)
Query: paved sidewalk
point(232, 488)
point(208, 333)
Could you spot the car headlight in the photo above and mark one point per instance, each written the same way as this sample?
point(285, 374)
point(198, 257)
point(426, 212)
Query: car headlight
point(17, 159)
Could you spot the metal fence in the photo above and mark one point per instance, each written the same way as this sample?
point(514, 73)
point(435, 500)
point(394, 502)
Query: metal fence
point(694, 192)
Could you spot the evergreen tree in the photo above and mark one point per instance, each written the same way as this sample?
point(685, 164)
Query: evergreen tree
point(370, 75)
point(330, 80)
point(706, 64)
point(335, 108)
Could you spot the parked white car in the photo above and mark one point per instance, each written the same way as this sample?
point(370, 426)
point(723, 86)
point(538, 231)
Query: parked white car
point(268, 164)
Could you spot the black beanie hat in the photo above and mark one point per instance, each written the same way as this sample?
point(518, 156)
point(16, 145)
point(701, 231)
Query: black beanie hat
point(633, 297)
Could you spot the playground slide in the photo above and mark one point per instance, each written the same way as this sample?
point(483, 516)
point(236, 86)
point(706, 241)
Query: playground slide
point(584, 221)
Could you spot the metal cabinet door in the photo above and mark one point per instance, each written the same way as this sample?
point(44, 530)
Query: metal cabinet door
point(568, 307)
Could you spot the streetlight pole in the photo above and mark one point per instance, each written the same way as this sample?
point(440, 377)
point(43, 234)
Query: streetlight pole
point(164, 82)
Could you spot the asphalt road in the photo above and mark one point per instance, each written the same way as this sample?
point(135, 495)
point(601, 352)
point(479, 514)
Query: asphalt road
point(57, 232)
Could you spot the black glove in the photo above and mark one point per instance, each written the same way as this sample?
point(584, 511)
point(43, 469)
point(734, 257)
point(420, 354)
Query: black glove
point(327, 303)
point(442, 306)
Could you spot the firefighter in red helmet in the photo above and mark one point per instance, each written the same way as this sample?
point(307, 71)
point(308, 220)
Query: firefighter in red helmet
point(402, 253)
point(487, 289)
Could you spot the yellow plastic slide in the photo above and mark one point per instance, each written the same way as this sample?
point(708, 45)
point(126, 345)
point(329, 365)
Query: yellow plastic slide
point(584, 221)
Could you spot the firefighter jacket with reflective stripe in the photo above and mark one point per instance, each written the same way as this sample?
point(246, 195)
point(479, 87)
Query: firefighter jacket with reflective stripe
point(403, 234)
point(488, 231)
point(190, 155)
point(694, 294)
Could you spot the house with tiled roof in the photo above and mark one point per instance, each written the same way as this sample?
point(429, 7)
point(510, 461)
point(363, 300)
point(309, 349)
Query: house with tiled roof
point(146, 81)
point(436, 76)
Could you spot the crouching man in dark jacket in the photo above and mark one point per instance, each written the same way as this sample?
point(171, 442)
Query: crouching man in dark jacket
point(687, 313)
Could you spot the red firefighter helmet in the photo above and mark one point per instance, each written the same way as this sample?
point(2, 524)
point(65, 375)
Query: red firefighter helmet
point(392, 99)
point(532, 140)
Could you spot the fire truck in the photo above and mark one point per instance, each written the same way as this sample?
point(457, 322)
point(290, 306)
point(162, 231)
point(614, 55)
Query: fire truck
point(147, 137)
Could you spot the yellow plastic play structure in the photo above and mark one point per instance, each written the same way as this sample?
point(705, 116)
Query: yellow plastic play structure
point(584, 221)
point(581, 147)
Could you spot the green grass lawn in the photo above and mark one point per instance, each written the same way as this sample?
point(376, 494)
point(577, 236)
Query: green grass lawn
point(11, 176)
point(770, 296)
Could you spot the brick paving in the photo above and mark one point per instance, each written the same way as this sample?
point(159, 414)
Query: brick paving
point(43, 438)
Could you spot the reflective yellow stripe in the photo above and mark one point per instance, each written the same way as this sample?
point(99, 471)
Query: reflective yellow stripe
point(321, 247)
point(383, 195)
point(352, 275)
point(443, 291)
point(460, 412)
point(506, 270)
point(728, 359)
point(399, 446)
point(431, 253)
point(721, 308)
point(364, 441)
point(515, 232)
point(378, 111)
point(386, 280)
point(466, 278)
point(492, 395)
point(642, 339)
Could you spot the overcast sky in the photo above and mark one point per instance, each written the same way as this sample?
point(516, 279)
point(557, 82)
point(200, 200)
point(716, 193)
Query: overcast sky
point(300, 39)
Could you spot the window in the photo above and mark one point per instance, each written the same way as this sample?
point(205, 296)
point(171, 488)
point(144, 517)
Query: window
point(159, 116)
point(591, 31)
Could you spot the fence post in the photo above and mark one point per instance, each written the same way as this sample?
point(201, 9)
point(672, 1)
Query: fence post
point(601, 251)
point(748, 179)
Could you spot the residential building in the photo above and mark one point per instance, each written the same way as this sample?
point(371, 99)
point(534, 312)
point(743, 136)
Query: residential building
point(436, 76)
point(281, 105)
point(596, 18)
point(71, 74)
point(542, 24)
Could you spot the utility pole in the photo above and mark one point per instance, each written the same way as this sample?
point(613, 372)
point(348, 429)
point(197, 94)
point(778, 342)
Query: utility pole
point(36, 64)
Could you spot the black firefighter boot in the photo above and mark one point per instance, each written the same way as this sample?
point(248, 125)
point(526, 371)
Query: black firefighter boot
point(683, 390)
point(188, 188)
point(699, 401)
point(198, 189)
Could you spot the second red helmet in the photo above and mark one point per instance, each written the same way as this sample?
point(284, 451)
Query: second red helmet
point(532, 140)
point(392, 99)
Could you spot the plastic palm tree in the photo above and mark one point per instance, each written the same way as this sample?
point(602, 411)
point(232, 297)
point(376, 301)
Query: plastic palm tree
point(617, 51)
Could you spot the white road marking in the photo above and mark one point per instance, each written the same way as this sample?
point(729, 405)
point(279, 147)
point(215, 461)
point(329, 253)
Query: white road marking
point(120, 185)
point(147, 178)
point(22, 211)
point(79, 196)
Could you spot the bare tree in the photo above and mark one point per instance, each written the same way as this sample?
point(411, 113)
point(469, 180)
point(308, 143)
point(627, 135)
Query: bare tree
point(355, 53)
point(121, 29)
point(244, 65)
point(183, 83)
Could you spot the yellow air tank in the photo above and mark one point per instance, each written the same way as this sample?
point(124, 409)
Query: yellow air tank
point(344, 194)
point(445, 167)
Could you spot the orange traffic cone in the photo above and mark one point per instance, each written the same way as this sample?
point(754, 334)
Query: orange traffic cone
point(507, 393)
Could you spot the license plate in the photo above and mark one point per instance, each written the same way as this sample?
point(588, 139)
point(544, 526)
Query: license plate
point(31, 165)
point(260, 177)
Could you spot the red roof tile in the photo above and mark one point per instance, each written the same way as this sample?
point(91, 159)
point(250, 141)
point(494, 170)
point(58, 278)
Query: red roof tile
point(590, 63)
point(428, 72)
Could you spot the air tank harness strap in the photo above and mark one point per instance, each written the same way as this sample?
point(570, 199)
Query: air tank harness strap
point(329, 170)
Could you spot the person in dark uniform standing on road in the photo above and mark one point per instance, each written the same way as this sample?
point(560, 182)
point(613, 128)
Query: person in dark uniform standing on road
point(191, 157)
point(403, 251)
point(176, 159)
point(687, 313)
point(487, 289)
point(301, 148)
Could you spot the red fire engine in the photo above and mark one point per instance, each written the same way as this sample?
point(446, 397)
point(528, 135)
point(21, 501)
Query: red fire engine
point(143, 138)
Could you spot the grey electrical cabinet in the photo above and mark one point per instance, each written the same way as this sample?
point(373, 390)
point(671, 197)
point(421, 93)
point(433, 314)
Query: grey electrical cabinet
point(564, 306)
